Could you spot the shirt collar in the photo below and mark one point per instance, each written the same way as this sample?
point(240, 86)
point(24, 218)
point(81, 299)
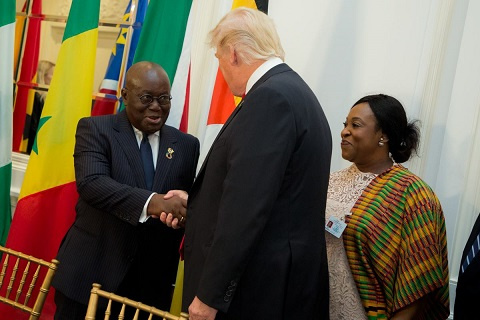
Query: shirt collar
point(139, 133)
point(264, 68)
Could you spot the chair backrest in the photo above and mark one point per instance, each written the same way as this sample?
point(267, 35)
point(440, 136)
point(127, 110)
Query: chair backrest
point(138, 306)
point(17, 290)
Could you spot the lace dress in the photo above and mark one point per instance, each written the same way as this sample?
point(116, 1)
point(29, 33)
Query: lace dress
point(345, 187)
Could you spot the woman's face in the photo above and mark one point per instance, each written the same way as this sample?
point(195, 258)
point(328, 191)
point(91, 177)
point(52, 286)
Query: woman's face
point(360, 136)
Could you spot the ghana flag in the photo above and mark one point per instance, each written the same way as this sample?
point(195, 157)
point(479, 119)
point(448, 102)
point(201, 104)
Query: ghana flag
point(46, 205)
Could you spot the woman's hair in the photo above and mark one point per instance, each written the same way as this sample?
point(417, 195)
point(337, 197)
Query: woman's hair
point(42, 70)
point(403, 136)
point(250, 32)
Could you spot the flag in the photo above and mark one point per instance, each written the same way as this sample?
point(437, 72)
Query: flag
point(110, 84)
point(19, 29)
point(223, 102)
point(24, 96)
point(46, 205)
point(165, 40)
point(7, 38)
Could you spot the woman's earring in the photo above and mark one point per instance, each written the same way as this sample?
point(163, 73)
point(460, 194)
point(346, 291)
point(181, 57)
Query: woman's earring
point(381, 143)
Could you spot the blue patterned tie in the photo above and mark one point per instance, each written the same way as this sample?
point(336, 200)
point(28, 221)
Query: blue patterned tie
point(472, 253)
point(147, 159)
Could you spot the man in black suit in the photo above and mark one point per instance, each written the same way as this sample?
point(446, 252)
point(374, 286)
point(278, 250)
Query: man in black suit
point(468, 285)
point(116, 239)
point(254, 237)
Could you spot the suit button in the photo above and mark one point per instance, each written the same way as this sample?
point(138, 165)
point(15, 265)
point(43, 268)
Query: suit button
point(233, 283)
point(226, 299)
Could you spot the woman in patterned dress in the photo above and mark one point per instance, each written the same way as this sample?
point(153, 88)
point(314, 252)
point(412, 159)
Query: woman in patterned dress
point(390, 262)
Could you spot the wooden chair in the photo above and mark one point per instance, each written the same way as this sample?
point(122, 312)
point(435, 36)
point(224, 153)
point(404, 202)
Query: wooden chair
point(30, 268)
point(97, 292)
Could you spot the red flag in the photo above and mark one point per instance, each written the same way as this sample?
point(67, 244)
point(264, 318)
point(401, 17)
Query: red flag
point(27, 74)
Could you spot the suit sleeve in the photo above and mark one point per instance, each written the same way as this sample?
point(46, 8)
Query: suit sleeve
point(95, 185)
point(258, 154)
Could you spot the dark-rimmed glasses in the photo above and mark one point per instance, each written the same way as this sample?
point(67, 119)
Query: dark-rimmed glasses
point(162, 100)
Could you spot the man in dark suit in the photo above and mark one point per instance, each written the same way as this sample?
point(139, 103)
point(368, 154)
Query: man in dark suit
point(254, 237)
point(468, 285)
point(116, 239)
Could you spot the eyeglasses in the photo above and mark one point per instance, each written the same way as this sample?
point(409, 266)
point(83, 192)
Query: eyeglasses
point(162, 100)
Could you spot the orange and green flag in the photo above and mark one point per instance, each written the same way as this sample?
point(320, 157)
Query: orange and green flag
point(46, 205)
point(223, 102)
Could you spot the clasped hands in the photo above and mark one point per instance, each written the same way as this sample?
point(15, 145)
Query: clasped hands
point(170, 208)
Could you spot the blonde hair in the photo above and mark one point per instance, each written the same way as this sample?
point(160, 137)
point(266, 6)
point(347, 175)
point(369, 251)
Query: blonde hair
point(250, 32)
point(42, 69)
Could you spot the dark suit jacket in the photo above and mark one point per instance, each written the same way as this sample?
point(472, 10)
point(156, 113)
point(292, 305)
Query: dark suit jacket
point(468, 285)
point(106, 237)
point(254, 240)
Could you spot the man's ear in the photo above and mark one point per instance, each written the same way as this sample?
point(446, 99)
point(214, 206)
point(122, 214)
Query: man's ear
point(125, 95)
point(233, 56)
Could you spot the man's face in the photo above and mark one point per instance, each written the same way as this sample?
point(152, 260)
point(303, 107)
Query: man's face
point(142, 85)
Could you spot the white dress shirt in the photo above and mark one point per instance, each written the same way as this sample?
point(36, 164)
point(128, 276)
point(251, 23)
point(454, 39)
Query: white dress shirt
point(264, 68)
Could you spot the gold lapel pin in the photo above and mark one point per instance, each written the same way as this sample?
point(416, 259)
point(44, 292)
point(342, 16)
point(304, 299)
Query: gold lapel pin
point(169, 154)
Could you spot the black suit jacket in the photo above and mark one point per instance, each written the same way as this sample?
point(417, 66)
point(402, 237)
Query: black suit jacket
point(106, 237)
point(254, 240)
point(468, 285)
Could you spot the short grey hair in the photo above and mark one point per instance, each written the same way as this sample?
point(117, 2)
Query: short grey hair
point(250, 32)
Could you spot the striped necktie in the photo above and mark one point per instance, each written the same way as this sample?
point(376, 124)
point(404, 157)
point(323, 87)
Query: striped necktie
point(472, 253)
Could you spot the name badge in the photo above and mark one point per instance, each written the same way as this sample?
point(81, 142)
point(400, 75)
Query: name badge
point(335, 226)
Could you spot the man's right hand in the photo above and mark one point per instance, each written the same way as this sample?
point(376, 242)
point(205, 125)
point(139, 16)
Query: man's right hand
point(176, 206)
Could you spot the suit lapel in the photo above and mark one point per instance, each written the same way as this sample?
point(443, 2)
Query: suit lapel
point(229, 120)
point(275, 70)
point(128, 142)
point(167, 140)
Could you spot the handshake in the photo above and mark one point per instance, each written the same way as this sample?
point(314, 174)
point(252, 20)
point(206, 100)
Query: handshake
point(170, 208)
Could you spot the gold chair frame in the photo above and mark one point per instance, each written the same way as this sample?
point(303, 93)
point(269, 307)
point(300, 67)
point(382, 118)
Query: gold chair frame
point(36, 310)
point(97, 292)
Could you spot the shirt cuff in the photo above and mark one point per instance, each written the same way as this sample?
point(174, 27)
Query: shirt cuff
point(143, 216)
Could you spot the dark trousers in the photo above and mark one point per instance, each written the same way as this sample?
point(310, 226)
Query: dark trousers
point(68, 309)
point(134, 286)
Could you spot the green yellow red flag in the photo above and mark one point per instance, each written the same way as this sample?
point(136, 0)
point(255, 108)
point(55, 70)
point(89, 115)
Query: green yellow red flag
point(46, 205)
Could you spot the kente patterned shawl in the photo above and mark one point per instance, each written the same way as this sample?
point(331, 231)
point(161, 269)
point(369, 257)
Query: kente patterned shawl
point(397, 247)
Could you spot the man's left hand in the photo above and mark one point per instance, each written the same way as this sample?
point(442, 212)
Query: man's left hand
point(200, 311)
